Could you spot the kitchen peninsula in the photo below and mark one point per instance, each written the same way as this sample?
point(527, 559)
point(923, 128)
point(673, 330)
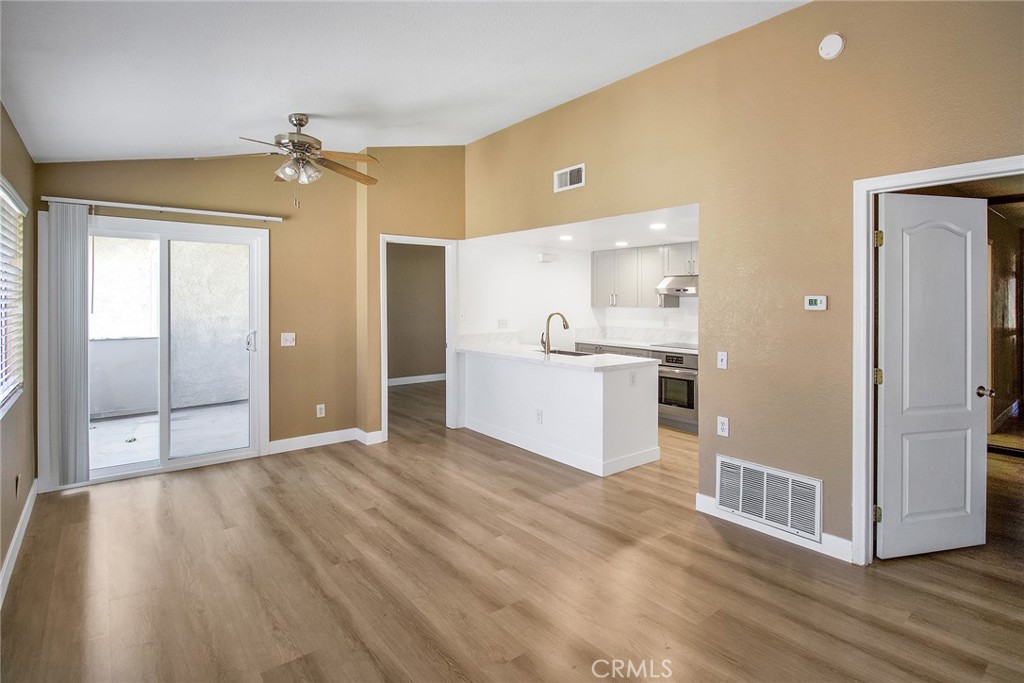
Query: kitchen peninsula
point(597, 413)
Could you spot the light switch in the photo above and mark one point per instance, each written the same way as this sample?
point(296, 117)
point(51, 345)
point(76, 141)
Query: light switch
point(287, 339)
point(723, 360)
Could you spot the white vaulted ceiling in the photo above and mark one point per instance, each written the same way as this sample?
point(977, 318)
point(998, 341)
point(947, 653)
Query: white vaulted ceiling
point(124, 80)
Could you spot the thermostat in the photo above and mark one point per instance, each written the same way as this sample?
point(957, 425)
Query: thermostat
point(815, 303)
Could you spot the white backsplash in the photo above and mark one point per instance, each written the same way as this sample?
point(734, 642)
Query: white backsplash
point(646, 324)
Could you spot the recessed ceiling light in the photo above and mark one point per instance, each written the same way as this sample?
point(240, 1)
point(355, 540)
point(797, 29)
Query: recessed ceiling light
point(566, 238)
point(658, 226)
point(622, 244)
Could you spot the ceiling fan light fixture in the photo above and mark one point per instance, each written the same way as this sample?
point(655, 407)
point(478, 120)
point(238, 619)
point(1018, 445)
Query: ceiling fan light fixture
point(308, 172)
point(289, 170)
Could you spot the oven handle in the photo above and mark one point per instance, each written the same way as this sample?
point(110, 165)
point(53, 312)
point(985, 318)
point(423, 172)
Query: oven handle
point(689, 374)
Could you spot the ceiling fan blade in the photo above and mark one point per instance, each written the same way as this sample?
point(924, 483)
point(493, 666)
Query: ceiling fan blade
point(347, 172)
point(349, 156)
point(237, 156)
point(278, 179)
point(258, 141)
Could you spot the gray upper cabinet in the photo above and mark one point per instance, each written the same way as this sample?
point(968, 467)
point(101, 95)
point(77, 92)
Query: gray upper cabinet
point(652, 270)
point(629, 277)
point(627, 268)
point(614, 275)
point(603, 279)
point(682, 259)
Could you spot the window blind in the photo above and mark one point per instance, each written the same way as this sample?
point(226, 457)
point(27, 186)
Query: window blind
point(12, 310)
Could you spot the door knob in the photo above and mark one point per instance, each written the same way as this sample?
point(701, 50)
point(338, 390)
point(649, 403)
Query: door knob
point(983, 392)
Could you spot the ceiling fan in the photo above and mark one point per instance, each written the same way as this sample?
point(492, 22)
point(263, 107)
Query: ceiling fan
point(305, 156)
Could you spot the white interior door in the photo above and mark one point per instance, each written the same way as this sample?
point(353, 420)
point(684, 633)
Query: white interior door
point(933, 349)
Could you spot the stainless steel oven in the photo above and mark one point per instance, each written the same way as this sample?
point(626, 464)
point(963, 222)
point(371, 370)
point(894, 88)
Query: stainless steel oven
point(677, 387)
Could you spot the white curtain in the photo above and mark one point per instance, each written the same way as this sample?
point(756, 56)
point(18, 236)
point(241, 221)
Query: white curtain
point(67, 388)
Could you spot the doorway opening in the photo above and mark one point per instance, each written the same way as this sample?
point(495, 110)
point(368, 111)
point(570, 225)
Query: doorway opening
point(980, 179)
point(418, 392)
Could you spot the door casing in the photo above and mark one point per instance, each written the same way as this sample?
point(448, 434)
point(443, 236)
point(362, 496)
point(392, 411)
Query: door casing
point(864, 193)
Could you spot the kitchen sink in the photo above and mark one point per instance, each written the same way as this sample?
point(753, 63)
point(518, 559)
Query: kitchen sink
point(560, 352)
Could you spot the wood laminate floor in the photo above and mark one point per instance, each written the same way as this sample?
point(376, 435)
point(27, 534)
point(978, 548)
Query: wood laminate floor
point(447, 556)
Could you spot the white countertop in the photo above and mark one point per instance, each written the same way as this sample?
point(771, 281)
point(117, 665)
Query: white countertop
point(605, 362)
point(631, 344)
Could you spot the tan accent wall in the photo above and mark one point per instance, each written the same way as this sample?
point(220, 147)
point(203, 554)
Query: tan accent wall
point(312, 265)
point(18, 426)
point(421, 194)
point(1006, 312)
point(768, 139)
point(415, 310)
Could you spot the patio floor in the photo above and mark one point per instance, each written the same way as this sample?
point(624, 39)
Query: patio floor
point(118, 441)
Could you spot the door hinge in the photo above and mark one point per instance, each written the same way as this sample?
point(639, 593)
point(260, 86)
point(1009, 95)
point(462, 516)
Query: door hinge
point(878, 378)
point(878, 238)
point(877, 514)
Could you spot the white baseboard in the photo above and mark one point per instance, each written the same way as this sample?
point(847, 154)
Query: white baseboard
point(625, 462)
point(323, 439)
point(416, 379)
point(19, 536)
point(1011, 410)
point(833, 546)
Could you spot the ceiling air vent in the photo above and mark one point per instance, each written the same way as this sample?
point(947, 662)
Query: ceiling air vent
point(784, 500)
point(569, 178)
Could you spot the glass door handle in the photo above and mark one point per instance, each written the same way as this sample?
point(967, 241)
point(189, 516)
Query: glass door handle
point(250, 341)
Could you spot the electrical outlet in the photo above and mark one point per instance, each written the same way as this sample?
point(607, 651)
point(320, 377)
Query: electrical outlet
point(287, 339)
point(321, 410)
point(502, 323)
point(723, 360)
point(723, 426)
point(540, 417)
point(664, 321)
point(632, 378)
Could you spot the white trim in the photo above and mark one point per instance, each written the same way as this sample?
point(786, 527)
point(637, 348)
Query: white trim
point(19, 535)
point(165, 209)
point(450, 329)
point(415, 379)
point(864, 192)
point(1011, 410)
point(13, 196)
point(11, 400)
point(833, 546)
point(297, 443)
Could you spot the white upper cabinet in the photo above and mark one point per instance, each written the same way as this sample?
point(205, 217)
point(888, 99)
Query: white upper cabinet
point(682, 259)
point(627, 269)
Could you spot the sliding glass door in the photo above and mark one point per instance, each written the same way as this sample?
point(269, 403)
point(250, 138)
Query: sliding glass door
point(175, 371)
point(211, 348)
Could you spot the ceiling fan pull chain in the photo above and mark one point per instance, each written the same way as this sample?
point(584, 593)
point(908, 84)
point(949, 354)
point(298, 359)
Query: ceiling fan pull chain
point(296, 202)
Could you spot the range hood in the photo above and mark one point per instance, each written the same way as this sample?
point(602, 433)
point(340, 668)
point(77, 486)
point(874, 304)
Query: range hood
point(678, 285)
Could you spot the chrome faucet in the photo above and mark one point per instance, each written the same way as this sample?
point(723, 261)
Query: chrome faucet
point(545, 338)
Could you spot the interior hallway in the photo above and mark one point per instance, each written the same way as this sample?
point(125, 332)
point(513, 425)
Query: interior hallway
point(445, 555)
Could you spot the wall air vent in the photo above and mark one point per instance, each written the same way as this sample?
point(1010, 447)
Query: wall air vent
point(784, 500)
point(570, 178)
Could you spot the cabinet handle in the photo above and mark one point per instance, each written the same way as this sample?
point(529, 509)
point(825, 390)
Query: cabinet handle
point(610, 300)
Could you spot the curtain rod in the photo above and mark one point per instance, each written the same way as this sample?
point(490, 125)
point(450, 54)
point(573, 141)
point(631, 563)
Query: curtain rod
point(164, 209)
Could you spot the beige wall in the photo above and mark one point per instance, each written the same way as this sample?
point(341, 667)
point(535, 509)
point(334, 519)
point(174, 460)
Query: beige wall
point(768, 139)
point(1006, 312)
point(421, 194)
point(415, 310)
point(17, 428)
point(312, 265)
